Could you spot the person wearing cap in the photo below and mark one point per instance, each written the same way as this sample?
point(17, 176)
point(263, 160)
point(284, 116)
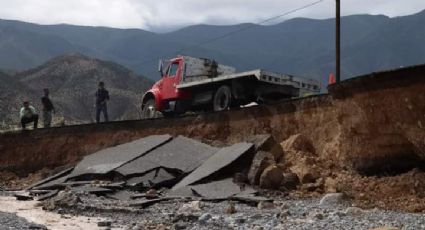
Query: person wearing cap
point(28, 114)
point(102, 97)
point(48, 109)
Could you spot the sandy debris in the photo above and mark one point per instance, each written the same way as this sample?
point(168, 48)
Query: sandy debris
point(31, 211)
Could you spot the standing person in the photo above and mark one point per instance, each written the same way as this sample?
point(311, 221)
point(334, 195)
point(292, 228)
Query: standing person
point(48, 109)
point(28, 114)
point(102, 96)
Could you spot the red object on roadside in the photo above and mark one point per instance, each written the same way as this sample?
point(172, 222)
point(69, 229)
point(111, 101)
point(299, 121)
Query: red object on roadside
point(331, 79)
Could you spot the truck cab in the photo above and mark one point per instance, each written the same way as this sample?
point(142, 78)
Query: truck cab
point(164, 91)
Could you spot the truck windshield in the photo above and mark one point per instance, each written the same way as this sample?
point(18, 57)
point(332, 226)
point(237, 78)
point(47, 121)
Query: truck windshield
point(172, 71)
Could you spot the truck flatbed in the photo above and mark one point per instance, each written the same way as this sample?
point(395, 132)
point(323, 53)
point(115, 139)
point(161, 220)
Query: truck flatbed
point(261, 75)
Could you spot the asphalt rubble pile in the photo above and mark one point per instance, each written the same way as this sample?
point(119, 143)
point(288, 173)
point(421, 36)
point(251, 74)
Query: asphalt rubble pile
point(160, 168)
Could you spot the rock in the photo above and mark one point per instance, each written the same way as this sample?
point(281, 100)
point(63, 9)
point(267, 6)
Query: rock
point(63, 199)
point(104, 223)
point(160, 227)
point(354, 211)
point(285, 213)
point(290, 181)
point(151, 193)
point(240, 219)
point(316, 215)
point(256, 216)
point(37, 226)
point(23, 197)
point(240, 178)
point(230, 208)
point(193, 206)
point(265, 205)
point(385, 228)
point(297, 143)
point(179, 226)
point(229, 220)
point(258, 228)
point(332, 199)
point(306, 173)
point(205, 217)
point(330, 185)
point(313, 187)
point(261, 161)
point(271, 178)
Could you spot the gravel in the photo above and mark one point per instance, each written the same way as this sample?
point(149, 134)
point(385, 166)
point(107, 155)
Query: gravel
point(286, 214)
point(10, 221)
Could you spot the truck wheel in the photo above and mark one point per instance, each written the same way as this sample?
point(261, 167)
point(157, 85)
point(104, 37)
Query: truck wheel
point(149, 110)
point(222, 98)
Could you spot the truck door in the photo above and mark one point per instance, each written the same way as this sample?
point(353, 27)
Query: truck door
point(171, 80)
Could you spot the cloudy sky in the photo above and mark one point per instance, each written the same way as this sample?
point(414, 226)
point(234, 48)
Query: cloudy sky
point(162, 15)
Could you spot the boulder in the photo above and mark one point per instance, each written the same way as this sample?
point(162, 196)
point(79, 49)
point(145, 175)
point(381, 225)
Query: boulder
point(204, 217)
point(265, 205)
point(330, 185)
point(190, 207)
point(354, 211)
point(261, 161)
point(271, 178)
point(306, 173)
point(290, 181)
point(385, 228)
point(230, 209)
point(62, 200)
point(332, 199)
point(297, 143)
point(266, 143)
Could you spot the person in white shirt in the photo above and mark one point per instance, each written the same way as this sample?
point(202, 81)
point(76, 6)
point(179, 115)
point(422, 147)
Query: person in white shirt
point(28, 115)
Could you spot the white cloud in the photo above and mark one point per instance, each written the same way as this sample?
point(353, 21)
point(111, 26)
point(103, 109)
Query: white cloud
point(165, 14)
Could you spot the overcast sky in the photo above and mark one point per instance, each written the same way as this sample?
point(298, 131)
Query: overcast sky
point(160, 15)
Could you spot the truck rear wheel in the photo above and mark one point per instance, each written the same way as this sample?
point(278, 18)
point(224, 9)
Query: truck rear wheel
point(149, 110)
point(222, 98)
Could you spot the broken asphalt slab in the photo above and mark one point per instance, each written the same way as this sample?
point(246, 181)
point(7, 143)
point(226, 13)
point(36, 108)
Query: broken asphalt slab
point(51, 178)
point(153, 178)
point(216, 190)
point(90, 189)
point(181, 153)
point(48, 195)
point(109, 159)
point(53, 184)
point(215, 163)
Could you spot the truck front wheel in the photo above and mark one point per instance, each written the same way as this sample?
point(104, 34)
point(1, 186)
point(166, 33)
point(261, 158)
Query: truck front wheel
point(149, 110)
point(222, 98)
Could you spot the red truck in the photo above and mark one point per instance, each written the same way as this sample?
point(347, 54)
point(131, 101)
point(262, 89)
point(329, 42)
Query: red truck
point(200, 84)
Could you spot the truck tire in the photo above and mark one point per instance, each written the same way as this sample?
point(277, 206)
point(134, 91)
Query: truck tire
point(222, 98)
point(149, 110)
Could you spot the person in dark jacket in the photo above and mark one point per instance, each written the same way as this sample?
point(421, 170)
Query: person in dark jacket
point(48, 109)
point(102, 97)
point(28, 114)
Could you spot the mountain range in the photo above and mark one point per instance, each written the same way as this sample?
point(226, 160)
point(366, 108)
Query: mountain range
point(298, 46)
point(72, 80)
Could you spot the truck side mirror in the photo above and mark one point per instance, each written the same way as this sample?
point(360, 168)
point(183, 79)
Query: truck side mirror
point(161, 68)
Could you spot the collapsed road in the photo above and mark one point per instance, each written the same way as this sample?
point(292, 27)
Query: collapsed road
point(365, 140)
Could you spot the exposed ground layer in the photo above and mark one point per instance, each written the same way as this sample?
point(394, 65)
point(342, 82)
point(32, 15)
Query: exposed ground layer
point(371, 124)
